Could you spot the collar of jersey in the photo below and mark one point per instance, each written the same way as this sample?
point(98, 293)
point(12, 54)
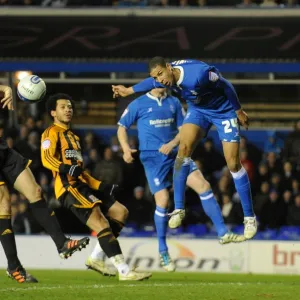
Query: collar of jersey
point(181, 74)
point(64, 127)
point(156, 99)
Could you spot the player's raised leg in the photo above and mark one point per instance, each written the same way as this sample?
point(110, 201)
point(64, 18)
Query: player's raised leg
point(189, 137)
point(242, 185)
point(26, 185)
point(117, 216)
point(161, 223)
point(197, 182)
point(110, 245)
point(15, 269)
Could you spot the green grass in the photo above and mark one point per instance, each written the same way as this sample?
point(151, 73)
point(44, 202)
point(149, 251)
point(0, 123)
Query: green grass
point(88, 285)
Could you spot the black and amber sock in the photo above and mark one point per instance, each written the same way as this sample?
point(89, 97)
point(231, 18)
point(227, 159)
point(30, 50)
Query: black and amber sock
point(116, 226)
point(109, 243)
point(47, 219)
point(8, 242)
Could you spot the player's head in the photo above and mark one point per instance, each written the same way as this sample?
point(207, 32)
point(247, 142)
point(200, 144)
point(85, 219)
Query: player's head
point(60, 107)
point(161, 71)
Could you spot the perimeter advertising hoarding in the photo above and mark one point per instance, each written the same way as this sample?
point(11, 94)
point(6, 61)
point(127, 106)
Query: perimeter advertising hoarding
point(190, 255)
point(69, 38)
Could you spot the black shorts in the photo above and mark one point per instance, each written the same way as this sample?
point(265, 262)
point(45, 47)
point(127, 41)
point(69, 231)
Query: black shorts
point(12, 164)
point(81, 200)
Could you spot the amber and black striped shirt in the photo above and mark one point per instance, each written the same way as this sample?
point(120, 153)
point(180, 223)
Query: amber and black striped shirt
point(60, 145)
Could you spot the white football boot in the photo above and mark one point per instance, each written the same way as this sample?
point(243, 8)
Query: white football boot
point(176, 218)
point(166, 262)
point(250, 227)
point(231, 237)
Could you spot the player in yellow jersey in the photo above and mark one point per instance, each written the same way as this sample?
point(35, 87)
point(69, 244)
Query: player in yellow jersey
point(88, 198)
point(14, 172)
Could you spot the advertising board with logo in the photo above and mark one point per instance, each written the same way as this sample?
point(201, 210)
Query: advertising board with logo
point(189, 255)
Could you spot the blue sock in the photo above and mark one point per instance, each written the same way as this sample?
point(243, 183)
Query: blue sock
point(213, 211)
point(242, 185)
point(180, 174)
point(161, 224)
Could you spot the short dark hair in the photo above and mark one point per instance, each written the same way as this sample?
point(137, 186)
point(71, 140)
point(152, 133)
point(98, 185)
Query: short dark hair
point(156, 61)
point(52, 101)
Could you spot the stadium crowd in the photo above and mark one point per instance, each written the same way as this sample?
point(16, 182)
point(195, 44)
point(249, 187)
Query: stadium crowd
point(159, 3)
point(274, 174)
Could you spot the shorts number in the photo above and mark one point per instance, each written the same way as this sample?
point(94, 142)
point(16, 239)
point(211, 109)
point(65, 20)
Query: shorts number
point(229, 123)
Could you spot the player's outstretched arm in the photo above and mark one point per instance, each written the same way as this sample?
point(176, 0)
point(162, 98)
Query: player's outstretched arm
point(123, 140)
point(7, 100)
point(121, 91)
point(144, 86)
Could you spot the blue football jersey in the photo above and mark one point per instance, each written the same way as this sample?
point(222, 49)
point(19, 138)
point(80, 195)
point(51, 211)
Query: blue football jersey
point(199, 84)
point(157, 120)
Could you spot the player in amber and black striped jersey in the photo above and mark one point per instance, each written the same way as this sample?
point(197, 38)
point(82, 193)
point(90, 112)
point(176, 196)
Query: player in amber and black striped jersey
point(87, 197)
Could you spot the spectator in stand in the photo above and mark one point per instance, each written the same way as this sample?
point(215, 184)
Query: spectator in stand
point(273, 213)
point(273, 163)
point(211, 158)
point(293, 213)
point(288, 175)
point(109, 169)
point(248, 165)
point(232, 212)
point(254, 154)
point(261, 198)
point(291, 150)
point(140, 210)
point(273, 144)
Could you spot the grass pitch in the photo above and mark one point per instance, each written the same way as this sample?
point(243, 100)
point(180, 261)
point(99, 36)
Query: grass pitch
point(73, 285)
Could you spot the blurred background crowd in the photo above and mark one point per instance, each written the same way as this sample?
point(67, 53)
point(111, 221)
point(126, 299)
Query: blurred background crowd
point(159, 3)
point(274, 173)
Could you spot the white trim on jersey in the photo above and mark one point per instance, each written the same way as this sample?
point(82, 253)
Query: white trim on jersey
point(181, 74)
point(159, 101)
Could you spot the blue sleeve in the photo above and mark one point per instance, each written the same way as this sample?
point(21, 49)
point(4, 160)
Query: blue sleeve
point(129, 116)
point(230, 92)
point(147, 85)
point(180, 113)
point(213, 78)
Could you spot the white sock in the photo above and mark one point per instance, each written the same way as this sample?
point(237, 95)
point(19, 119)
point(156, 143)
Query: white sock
point(119, 262)
point(98, 253)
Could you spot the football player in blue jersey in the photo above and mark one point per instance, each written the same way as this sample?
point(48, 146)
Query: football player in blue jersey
point(211, 100)
point(159, 118)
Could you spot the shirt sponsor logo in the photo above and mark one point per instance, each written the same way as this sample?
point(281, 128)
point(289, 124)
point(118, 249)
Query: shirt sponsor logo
point(73, 154)
point(161, 122)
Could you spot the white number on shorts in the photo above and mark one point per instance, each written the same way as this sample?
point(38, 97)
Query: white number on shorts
point(229, 123)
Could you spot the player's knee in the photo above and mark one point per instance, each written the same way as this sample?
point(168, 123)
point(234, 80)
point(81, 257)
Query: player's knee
point(124, 214)
point(234, 165)
point(204, 186)
point(184, 150)
point(96, 221)
point(34, 194)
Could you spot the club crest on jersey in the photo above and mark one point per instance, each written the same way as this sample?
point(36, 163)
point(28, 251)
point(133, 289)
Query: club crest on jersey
point(46, 144)
point(172, 108)
point(213, 76)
